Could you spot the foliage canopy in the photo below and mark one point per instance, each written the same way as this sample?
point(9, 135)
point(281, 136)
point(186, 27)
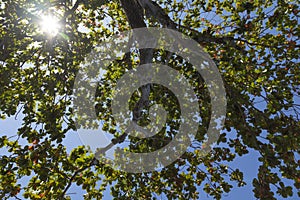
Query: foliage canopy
point(255, 45)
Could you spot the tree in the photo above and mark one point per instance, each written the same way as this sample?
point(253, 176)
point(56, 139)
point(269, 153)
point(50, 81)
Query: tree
point(255, 45)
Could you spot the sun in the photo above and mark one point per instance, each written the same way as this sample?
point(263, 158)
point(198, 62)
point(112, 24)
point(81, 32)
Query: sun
point(50, 25)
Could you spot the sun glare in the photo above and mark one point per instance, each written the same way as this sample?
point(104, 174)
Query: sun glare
point(50, 25)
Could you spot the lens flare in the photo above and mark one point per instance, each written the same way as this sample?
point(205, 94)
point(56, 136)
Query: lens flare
point(50, 25)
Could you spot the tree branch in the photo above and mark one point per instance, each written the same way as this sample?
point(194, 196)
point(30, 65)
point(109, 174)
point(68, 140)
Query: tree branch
point(134, 14)
point(74, 176)
point(152, 9)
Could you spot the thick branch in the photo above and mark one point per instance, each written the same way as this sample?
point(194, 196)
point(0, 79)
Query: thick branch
point(134, 14)
point(152, 9)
